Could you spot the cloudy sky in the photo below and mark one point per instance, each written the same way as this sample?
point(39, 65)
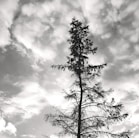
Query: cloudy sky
point(33, 36)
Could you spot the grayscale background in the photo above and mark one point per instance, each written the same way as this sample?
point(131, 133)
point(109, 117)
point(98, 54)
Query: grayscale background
point(33, 36)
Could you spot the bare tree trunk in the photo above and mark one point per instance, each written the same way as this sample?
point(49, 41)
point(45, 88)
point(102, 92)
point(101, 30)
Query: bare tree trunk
point(80, 108)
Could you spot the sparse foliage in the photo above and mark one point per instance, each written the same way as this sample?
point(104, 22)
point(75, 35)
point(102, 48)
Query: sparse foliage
point(91, 115)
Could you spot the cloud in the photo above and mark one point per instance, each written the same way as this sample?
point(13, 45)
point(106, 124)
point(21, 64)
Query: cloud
point(47, 7)
point(43, 31)
point(7, 9)
point(29, 33)
point(4, 136)
point(7, 127)
point(4, 34)
point(96, 59)
point(11, 128)
point(124, 49)
point(117, 3)
point(56, 99)
point(30, 101)
point(55, 136)
point(136, 136)
point(126, 92)
point(134, 65)
point(92, 14)
point(28, 136)
point(34, 34)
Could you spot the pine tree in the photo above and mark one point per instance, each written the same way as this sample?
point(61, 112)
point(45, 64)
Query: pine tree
point(91, 115)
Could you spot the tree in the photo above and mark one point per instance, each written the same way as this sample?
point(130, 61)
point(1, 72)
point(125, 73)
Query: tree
point(91, 115)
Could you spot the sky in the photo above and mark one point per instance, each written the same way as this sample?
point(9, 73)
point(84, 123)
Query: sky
point(33, 36)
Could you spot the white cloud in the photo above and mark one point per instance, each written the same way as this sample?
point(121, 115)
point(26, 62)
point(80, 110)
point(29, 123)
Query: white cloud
point(30, 101)
point(39, 31)
point(136, 136)
point(64, 80)
point(60, 34)
point(7, 127)
point(39, 28)
point(96, 4)
point(106, 36)
point(134, 37)
point(128, 85)
point(55, 98)
point(53, 136)
point(91, 9)
point(37, 24)
point(97, 59)
point(133, 6)
point(4, 34)
point(28, 135)
point(123, 84)
point(11, 128)
point(33, 9)
point(2, 124)
point(117, 3)
point(7, 9)
point(134, 118)
point(29, 34)
point(126, 92)
point(134, 65)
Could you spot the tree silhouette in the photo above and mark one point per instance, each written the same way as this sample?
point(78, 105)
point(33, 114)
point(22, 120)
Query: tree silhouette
point(91, 115)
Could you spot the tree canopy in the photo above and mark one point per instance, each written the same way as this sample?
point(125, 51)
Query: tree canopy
point(91, 115)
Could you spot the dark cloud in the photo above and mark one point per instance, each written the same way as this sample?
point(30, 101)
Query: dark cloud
point(14, 64)
point(8, 89)
point(22, 2)
point(113, 40)
point(13, 68)
point(32, 126)
point(130, 96)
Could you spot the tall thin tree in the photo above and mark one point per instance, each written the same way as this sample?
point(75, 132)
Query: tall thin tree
point(91, 115)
